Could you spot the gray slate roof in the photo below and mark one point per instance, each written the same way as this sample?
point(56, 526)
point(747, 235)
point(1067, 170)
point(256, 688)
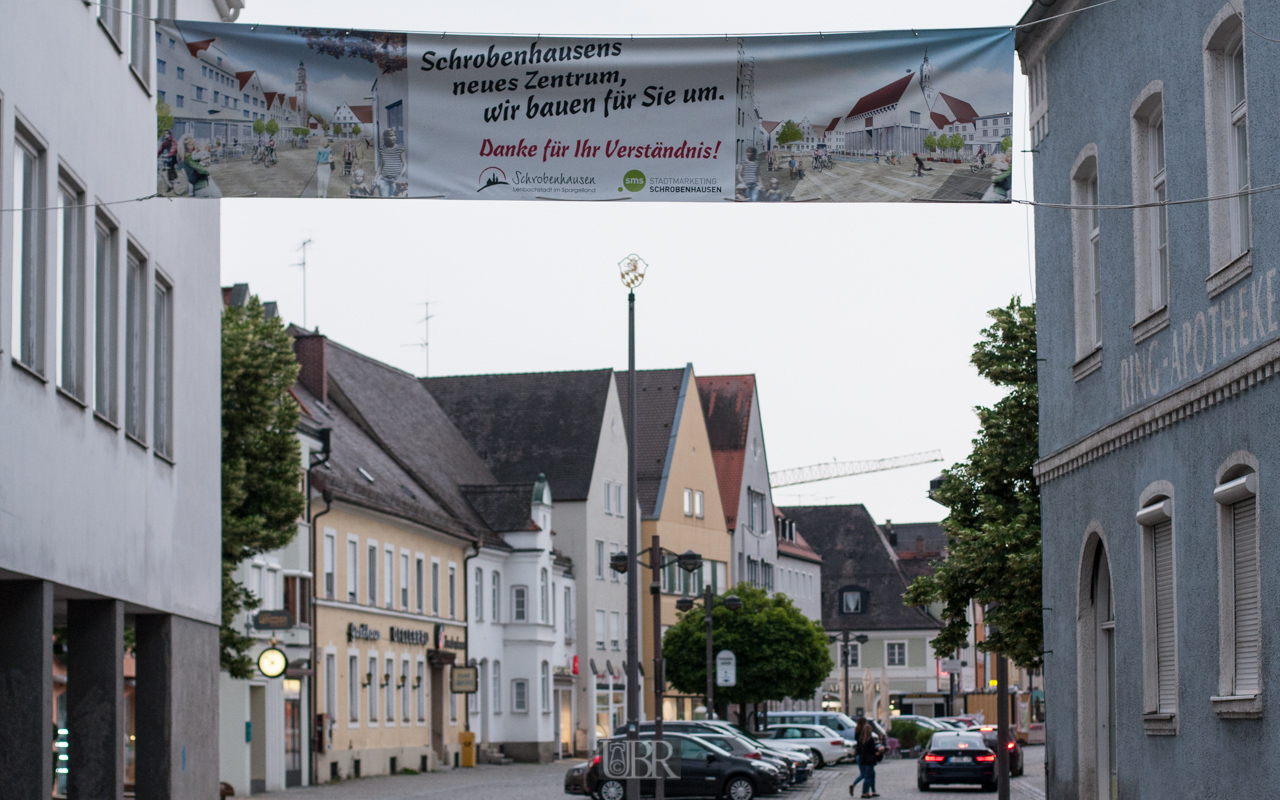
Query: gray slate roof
point(933, 534)
point(503, 506)
point(657, 400)
point(855, 553)
point(525, 424)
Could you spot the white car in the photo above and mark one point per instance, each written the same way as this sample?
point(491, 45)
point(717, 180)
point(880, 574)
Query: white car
point(827, 746)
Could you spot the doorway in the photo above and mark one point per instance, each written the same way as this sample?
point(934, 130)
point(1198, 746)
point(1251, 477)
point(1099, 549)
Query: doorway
point(1105, 670)
point(1096, 673)
point(257, 739)
point(292, 732)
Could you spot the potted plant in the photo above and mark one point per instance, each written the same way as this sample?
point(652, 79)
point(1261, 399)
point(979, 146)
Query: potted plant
point(931, 144)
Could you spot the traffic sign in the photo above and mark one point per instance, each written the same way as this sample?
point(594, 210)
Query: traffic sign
point(726, 668)
point(951, 665)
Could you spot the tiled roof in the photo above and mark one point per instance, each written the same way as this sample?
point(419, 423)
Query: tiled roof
point(196, 47)
point(525, 424)
point(856, 553)
point(503, 506)
point(769, 126)
point(726, 406)
point(363, 113)
point(881, 98)
point(657, 402)
point(962, 111)
point(244, 77)
point(939, 119)
point(407, 422)
point(834, 122)
point(798, 549)
point(931, 535)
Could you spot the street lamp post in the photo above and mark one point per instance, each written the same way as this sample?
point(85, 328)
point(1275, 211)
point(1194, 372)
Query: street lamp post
point(632, 269)
point(733, 603)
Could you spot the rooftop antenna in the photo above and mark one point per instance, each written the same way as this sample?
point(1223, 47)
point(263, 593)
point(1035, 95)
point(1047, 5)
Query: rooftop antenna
point(303, 264)
point(425, 344)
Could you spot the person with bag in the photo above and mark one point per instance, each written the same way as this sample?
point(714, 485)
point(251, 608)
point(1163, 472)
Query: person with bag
point(324, 168)
point(869, 751)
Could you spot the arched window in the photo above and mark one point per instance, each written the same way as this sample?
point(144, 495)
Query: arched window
point(479, 594)
point(1227, 140)
point(546, 688)
point(1086, 251)
point(1151, 228)
point(496, 596)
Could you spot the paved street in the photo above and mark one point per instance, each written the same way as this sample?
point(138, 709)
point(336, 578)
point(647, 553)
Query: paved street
point(294, 174)
point(895, 778)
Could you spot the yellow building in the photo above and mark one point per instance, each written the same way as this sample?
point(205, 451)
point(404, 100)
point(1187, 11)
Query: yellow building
point(679, 501)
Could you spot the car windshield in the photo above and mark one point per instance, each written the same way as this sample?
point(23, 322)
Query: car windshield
point(838, 721)
point(945, 740)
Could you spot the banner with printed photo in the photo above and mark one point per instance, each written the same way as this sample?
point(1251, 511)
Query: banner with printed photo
point(853, 117)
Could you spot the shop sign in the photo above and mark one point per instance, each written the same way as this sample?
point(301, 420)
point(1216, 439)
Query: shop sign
point(951, 665)
point(451, 643)
point(275, 620)
point(726, 668)
point(406, 636)
point(355, 632)
point(562, 671)
point(464, 680)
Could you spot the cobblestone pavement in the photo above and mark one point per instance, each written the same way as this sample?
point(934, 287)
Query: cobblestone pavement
point(895, 778)
point(293, 174)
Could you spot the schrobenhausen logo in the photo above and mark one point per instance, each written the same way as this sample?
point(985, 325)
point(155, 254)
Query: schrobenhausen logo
point(492, 176)
point(633, 181)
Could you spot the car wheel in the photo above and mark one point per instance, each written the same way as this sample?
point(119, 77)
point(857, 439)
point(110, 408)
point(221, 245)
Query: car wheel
point(740, 788)
point(990, 787)
point(611, 790)
point(818, 761)
point(922, 784)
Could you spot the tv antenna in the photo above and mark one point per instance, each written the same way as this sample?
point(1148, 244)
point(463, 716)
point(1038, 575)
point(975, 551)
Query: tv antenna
point(425, 344)
point(303, 264)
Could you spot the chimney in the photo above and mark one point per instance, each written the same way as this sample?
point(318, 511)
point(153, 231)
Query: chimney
point(312, 352)
point(891, 533)
point(920, 545)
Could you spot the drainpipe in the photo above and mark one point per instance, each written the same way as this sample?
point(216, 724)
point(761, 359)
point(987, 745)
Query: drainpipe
point(466, 642)
point(327, 496)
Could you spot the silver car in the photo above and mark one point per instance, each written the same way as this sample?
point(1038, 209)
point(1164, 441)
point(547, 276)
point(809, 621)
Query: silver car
point(827, 746)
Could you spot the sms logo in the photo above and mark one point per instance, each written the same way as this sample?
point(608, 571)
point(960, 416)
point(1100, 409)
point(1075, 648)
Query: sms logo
point(633, 181)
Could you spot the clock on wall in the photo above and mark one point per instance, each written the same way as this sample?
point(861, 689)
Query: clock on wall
point(272, 662)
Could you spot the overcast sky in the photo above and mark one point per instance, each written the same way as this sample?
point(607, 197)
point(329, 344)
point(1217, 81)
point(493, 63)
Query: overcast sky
point(857, 319)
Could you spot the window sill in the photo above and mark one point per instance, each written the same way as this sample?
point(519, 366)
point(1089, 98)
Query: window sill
point(1238, 706)
point(168, 459)
point(1160, 724)
point(1087, 365)
point(1151, 324)
point(141, 80)
point(98, 416)
point(115, 40)
point(1223, 279)
point(71, 397)
point(30, 371)
point(136, 440)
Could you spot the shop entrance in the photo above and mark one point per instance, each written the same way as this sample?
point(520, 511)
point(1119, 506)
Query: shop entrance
point(257, 739)
point(292, 732)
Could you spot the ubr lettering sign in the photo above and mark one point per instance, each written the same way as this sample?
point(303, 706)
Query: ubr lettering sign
point(644, 760)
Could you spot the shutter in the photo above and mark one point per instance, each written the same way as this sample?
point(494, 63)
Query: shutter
point(1166, 653)
point(1244, 524)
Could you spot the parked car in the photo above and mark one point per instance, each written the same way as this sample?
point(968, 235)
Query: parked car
point(957, 757)
point(836, 721)
point(925, 722)
point(963, 720)
point(827, 746)
point(991, 735)
point(744, 749)
point(575, 780)
point(705, 771)
point(800, 753)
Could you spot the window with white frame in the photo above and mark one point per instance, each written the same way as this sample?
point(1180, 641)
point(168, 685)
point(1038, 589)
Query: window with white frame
point(854, 654)
point(619, 506)
point(111, 15)
point(371, 585)
point(418, 576)
point(1086, 229)
point(453, 591)
point(600, 565)
point(519, 596)
point(435, 587)
point(851, 601)
point(615, 629)
point(520, 695)
point(389, 691)
point(479, 593)
point(697, 504)
point(135, 344)
point(542, 596)
point(68, 307)
point(600, 629)
point(330, 547)
point(1240, 589)
point(608, 498)
point(497, 687)
point(420, 690)
point(28, 259)
point(353, 691)
point(453, 705)
point(404, 581)
point(371, 682)
point(545, 687)
point(1160, 215)
point(688, 502)
point(1227, 137)
point(496, 595)
point(1160, 636)
point(331, 684)
point(388, 576)
point(353, 564)
point(162, 368)
point(1150, 185)
point(140, 40)
point(106, 316)
point(895, 654)
point(405, 688)
point(755, 511)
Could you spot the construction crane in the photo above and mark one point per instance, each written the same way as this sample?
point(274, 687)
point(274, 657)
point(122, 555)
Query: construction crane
point(843, 469)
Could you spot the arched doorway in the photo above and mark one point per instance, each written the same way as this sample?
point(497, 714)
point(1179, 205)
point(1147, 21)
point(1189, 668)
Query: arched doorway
point(1096, 665)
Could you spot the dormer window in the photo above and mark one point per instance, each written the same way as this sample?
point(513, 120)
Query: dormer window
point(853, 600)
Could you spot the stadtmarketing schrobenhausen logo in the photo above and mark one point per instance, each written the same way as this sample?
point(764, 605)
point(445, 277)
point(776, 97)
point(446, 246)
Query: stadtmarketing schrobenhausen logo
point(633, 181)
point(492, 176)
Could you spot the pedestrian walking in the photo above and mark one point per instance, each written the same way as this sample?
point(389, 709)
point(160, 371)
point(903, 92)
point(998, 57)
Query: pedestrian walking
point(391, 154)
point(868, 754)
point(324, 168)
point(792, 164)
point(749, 175)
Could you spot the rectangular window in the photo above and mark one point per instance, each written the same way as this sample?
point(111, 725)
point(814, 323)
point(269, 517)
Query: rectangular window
point(371, 585)
point(519, 612)
point(608, 498)
point(755, 511)
point(389, 692)
point(545, 688)
point(353, 690)
point(568, 612)
point(330, 546)
point(896, 654)
point(854, 654)
point(1160, 625)
point(496, 596)
point(140, 41)
point(497, 687)
point(1159, 216)
point(851, 602)
point(162, 369)
point(182, 101)
point(479, 595)
point(388, 577)
point(1238, 149)
point(297, 598)
point(1166, 667)
point(420, 688)
point(688, 502)
point(600, 629)
point(182, 74)
point(331, 685)
point(614, 549)
point(697, 504)
point(199, 92)
point(135, 345)
point(353, 565)
point(371, 678)
point(28, 259)
point(435, 588)
point(105, 318)
point(617, 500)
point(404, 580)
point(520, 695)
point(600, 565)
point(417, 583)
point(69, 285)
point(615, 630)
point(1246, 596)
point(453, 592)
point(160, 66)
point(404, 690)
point(1094, 251)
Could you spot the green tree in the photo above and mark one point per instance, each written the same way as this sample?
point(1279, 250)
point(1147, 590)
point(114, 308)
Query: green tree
point(261, 494)
point(957, 143)
point(1006, 144)
point(789, 132)
point(931, 143)
point(355, 130)
point(164, 118)
point(273, 127)
point(993, 528)
point(781, 652)
point(301, 133)
point(259, 126)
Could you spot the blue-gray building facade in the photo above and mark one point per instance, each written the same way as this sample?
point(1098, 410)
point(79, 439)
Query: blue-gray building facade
point(1158, 330)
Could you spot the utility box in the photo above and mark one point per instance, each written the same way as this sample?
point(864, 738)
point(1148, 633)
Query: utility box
point(468, 741)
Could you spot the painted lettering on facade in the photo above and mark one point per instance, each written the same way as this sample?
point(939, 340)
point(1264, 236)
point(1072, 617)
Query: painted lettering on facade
point(1240, 318)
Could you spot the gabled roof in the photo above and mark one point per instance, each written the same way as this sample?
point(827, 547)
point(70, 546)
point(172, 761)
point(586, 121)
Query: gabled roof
point(525, 424)
point(660, 394)
point(503, 506)
point(927, 537)
point(244, 77)
point(196, 47)
point(962, 111)
point(293, 102)
point(834, 122)
point(798, 549)
point(856, 555)
point(769, 126)
point(406, 421)
point(726, 406)
point(363, 113)
point(939, 119)
point(270, 97)
point(883, 97)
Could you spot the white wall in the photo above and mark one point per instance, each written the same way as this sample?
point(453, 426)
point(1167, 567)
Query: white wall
point(761, 544)
point(79, 504)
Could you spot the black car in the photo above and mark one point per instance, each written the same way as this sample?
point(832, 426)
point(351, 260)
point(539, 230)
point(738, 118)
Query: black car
point(991, 736)
point(705, 771)
point(575, 780)
point(957, 757)
point(801, 760)
point(744, 749)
